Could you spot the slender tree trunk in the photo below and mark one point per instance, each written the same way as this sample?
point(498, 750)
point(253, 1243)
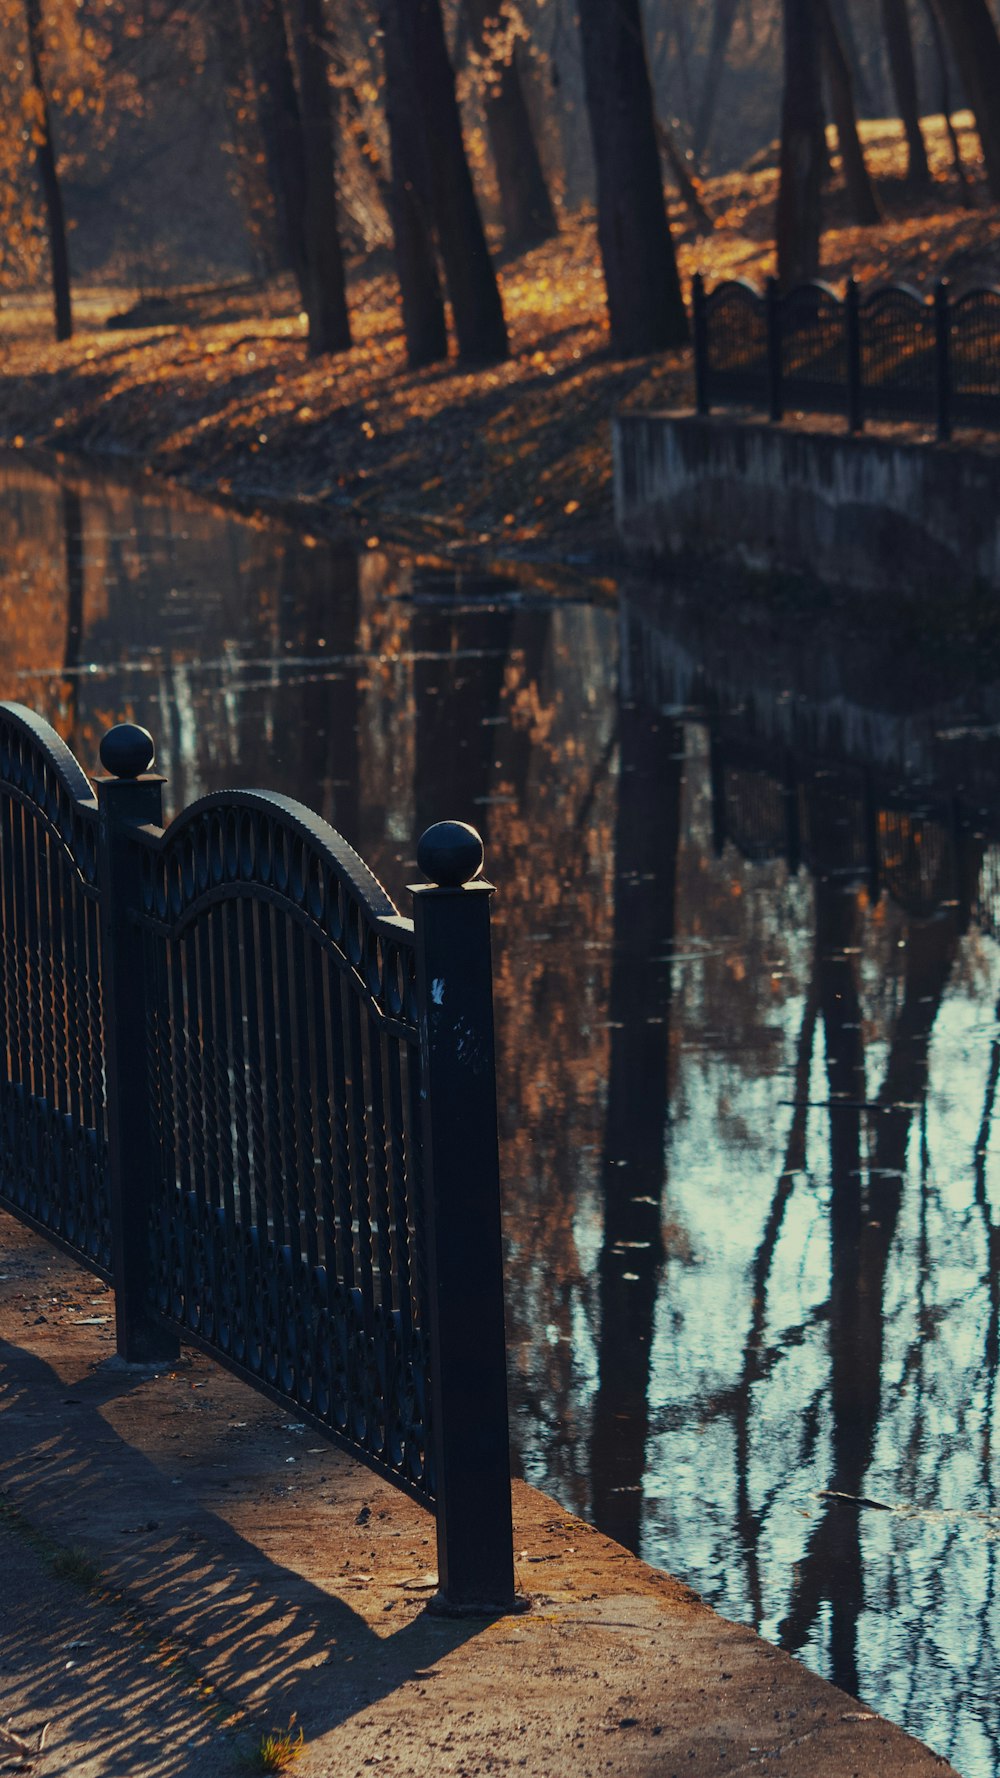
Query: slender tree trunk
point(645, 305)
point(73, 542)
point(684, 180)
point(259, 198)
point(326, 305)
point(409, 205)
point(801, 178)
point(969, 27)
point(320, 592)
point(525, 204)
point(899, 43)
point(864, 205)
point(723, 20)
point(476, 306)
point(848, 37)
point(366, 148)
point(632, 1162)
point(944, 76)
point(280, 125)
point(48, 173)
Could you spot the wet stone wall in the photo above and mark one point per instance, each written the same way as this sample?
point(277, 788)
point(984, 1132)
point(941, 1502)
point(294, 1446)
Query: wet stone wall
point(873, 512)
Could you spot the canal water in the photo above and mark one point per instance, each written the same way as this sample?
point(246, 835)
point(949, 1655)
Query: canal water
point(747, 981)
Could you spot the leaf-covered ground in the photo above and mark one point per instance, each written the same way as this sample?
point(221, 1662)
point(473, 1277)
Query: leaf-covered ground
point(216, 390)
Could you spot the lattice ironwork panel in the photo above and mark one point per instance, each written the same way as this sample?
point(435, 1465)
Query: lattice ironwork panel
point(836, 824)
point(737, 342)
point(813, 350)
point(756, 813)
point(917, 864)
point(289, 1226)
point(53, 1135)
point(898, 352)
point(975, 356)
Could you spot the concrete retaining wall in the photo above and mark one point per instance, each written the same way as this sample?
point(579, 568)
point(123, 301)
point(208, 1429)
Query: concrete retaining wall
point(874, 512)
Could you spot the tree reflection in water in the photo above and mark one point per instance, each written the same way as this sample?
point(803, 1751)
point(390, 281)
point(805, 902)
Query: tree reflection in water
point(745, 982)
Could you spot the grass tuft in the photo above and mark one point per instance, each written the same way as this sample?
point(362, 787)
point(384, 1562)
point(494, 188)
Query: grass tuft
point(77, 1568)
point(278, 1749)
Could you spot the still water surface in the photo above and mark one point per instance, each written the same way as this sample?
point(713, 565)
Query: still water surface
point(747, 986)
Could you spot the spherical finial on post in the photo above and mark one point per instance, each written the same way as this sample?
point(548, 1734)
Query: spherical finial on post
point(450, 854)
point(127, 750)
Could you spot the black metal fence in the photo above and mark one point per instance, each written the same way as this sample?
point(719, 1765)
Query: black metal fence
point(238, 1085)
point(880, 353)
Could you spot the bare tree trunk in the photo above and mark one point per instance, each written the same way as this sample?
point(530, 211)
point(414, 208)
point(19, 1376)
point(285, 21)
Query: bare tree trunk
point(525, 204)
point(864, 205)
point(941, 53)
point(723, 20)
point(685, 181)
point(848, 37)
point(797, 225)
point(969, 27)
point(297, 128)
point(280, 125)
point(257, 194)
point(48, 173)
point(472, 287)
point(636, 1118)
point(899, 43)
point(367, 149)
point(645, 304)
point(409, 206)
point(326, 304)
point(251, 173)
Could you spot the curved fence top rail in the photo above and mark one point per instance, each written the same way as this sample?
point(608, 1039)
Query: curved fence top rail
point(891, 290)
point(812, 287)
point(961, 293)
point(255, 845)
point(50, 749)
point(882, 350)
point(735, 286)
point(957, 292)
point(247, 829)
point(43, 773)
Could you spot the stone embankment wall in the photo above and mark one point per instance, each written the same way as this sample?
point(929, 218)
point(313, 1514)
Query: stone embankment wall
point(873, 511)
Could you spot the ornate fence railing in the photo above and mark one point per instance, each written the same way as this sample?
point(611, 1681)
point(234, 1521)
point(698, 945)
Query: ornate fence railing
point(880, 353)
point(241, 1087)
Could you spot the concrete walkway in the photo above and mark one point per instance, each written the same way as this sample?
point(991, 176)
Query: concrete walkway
point(184, 1568)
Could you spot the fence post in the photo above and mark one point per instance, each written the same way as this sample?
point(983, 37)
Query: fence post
point(699, 328)
point(772, 322)
point(471, 1451)
point(129, 797)
point(942, 358)
point(852, 342)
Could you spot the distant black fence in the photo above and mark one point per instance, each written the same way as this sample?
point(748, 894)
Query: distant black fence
point(238, 1085)
point(880, 353)
point(771, 803)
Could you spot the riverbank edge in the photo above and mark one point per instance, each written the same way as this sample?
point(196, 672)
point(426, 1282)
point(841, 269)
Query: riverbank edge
point(961, 631)
point(271, 1578)
point(430, 543)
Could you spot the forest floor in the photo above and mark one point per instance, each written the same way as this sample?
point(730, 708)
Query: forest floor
point(513, 460)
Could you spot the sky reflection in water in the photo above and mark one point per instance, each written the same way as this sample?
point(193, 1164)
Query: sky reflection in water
point(746, 988)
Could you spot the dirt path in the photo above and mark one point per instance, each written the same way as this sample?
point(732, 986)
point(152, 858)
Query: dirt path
point(185, 1568)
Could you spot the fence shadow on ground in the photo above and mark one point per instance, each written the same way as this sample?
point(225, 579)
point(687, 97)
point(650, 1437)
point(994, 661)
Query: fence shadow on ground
point(204, 1601)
